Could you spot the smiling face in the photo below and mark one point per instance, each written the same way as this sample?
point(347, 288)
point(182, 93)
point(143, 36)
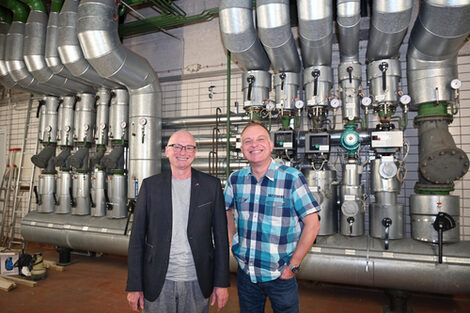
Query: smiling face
point(257, 146)
point(180, 160)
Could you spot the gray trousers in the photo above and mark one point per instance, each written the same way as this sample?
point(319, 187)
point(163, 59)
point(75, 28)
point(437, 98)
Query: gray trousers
point(178, 297)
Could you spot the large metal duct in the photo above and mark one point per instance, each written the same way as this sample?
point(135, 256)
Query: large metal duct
point(348, 19)
point(316, 31)
point(69, 49)
point(239, 34)
point(97, 23)
point(407, 265)
point(14, 59)
point(276, 35)
point(5, 77)
point(34, 50)
point(89, 233)
point(389, 23)
point(51, 50)
point(438, 33)
point(349, 70)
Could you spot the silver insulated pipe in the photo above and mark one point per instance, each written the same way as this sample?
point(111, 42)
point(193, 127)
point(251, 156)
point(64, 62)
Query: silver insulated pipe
point(438, 33)
point(69, 47)
point(389, 23)
point(239, 34)
point(34, 51)
point(52, 53)
point(316, 31)
point(15, 62)
point(5, 77)
point(97, 23)
point(349, 70)
point(276, 35)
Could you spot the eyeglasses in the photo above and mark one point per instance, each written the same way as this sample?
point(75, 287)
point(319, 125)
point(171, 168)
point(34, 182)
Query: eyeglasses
point(179, 148)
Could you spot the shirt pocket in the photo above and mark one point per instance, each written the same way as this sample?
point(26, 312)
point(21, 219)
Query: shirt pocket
point(243, 208)
point(277, 215)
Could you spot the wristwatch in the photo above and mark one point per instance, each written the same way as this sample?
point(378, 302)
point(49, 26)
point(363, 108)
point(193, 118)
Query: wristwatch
point(293, 268)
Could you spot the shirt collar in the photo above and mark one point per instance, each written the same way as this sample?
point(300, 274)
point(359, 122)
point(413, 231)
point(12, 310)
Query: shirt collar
point(270, 172)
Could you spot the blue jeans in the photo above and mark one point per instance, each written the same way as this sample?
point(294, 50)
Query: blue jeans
point(281, 292)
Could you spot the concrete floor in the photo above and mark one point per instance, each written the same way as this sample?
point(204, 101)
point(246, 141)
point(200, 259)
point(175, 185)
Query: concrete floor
point(96, 284)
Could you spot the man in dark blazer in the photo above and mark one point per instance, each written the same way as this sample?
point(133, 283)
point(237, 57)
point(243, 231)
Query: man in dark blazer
point(178, 248)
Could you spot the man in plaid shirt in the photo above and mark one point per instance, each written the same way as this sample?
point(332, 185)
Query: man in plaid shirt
point(276, 225)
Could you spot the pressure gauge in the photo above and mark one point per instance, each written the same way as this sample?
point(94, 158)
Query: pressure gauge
point(102, 126)
point(49, 128)
point(123, 125)
point(299, 104)
point(335, 103)
point(456, 83)
point(67, 128)
point(86, 127)
point(143, 121)
point(366, 101)
point(270, 106)
point(405, 99)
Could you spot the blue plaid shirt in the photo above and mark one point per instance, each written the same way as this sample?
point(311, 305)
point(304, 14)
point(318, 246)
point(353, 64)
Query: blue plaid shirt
point(268, 217)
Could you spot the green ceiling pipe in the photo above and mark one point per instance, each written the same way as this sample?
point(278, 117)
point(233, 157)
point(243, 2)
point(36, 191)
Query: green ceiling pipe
point(35, 5)
point(5, 15)
point(20, 14)
point(56, 5)
point(166, 21)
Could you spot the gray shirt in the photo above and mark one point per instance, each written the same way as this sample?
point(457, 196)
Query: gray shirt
point(181, 266)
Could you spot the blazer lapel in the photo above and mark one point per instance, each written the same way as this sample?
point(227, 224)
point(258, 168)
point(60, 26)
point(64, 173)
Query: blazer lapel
point(165, 199)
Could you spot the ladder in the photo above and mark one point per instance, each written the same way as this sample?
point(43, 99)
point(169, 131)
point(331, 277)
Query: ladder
point(9, 177)
point(17, 187)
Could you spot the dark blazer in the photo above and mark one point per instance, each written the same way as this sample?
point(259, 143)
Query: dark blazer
point(149, 244)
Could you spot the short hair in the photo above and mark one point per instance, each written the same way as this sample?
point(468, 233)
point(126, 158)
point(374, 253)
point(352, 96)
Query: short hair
point(255, 123)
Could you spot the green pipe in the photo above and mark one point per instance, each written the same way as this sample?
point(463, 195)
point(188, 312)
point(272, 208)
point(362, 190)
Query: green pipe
point(433, 109)
point(400, 124)
point(229, 74)
point(166, 21)
point(5, 15)
point(56, 5)
point(35, 5)
point(20, 14)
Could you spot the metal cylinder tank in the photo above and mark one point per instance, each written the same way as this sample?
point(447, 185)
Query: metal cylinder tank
point(119, 115)
point(352, 204)
point(98, 189)
point(423, 211)
point(386, 216)
point(64, 192)
point(81, 194)
point(46, 193)
point(103, 97)
point(325, 193)
point(318, 81)
point(384, 77)
point(350, 76)
point(286, 86)
point(256, 86)
point(48, 133)
point(85, 118)
point(117, 196)
point(65, 121)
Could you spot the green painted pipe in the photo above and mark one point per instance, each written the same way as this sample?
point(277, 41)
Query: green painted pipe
point(20, 14)
point(56, 5)
point(165, 21)
point(5, 15)
point(35, 5)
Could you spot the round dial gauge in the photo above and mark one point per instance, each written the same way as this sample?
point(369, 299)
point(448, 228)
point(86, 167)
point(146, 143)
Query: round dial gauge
point(335, 103)
point(405, 99)
point(366, 101)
